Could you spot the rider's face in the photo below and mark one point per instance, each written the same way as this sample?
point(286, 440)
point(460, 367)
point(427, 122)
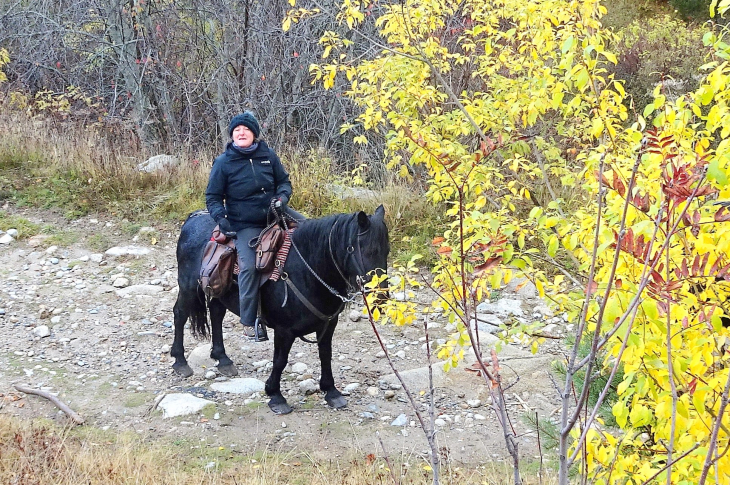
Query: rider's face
point(243, 136)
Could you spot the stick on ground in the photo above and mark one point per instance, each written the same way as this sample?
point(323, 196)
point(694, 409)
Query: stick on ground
point(75, 417)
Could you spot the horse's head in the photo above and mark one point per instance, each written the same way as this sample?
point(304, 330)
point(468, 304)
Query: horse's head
point(374, 246)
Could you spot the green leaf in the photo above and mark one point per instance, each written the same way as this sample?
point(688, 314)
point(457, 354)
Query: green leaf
point(714, 172)
point(553, 245)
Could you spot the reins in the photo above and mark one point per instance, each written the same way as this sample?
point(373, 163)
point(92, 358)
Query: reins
point(343, 299)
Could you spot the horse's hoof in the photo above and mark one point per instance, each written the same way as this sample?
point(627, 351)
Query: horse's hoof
point(280, 407)
point(338, 402)
point(183, 370)
point(228, 370)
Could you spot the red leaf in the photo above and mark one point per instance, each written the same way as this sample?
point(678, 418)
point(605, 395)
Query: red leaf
point(444, 250)
point(487, 265)
point(705, 258)
point(601, 177)
point(722, 215)
point(618, 184)
point(692, 385)
point(591, 287)
point(437, 240)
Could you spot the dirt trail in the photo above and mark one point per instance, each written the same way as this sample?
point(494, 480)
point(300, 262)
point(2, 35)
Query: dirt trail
point(107, 356)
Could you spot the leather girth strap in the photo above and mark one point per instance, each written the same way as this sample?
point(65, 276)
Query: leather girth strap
point(311, 308)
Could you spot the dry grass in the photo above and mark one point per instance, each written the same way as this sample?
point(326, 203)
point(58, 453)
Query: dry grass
point(83, 170)
point(39, 453)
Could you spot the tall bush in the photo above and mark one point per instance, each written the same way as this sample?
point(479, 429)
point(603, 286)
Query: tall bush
point(509, 106)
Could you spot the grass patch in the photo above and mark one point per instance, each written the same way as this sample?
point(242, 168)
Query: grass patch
point(62, 238)
point(25, 227)
point(38, 452)
point(99, 242)
point(136, 399)
point(209, 411)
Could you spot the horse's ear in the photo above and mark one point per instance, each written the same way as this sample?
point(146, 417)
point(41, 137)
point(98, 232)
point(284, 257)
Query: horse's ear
point(380, 212)
point(362, 220)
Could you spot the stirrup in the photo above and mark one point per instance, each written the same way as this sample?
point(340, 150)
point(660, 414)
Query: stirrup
point(257, 332)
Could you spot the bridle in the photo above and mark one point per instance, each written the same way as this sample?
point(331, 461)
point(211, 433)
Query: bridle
point(353, 249)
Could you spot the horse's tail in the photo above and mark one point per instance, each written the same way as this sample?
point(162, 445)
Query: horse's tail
point(198, 311)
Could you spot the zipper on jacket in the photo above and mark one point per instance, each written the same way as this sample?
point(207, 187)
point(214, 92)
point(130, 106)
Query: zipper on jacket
point(253, 171)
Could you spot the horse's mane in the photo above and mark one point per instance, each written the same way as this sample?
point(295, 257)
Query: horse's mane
point(312, 235)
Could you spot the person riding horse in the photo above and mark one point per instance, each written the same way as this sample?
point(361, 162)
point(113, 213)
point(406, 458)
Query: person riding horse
point(247, 181)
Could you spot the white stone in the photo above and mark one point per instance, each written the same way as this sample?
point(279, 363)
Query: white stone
point(355, 315)
point(182, 404)
point(299, 368)
point(439, 422)
point(42, 331)
point(120, 282)
point(474, 403)
point(37, 240)
point(51, 249)
point(400, 296)
point(96, 257)
point(127, 251)
point(157, 162)
point(309, 386)
point(55, 319)
point(401, 354)
point(239, 385)
point(401, 420)
point(13, 232)
point(199, 358)
point(149, 290)
point(351, 387)
point(373, 391)
point(504, 307)
point(6, 239)
point(211, 374)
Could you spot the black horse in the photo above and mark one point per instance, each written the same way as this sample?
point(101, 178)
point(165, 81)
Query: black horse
point(327, 257)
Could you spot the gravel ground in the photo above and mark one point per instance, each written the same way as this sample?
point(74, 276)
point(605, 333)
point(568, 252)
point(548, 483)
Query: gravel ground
point(95, 329)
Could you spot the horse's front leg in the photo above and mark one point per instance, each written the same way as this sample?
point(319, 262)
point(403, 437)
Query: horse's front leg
point(282, 346)
point(181, 314)
point(327, 382)
point(218, 352)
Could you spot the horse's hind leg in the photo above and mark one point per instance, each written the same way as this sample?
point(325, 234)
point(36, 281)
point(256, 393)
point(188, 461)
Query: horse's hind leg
point(327, 382)
point(218, 352)
point(282, 346)
point(181, 314)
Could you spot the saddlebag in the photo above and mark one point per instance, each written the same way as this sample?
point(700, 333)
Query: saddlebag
point(217, 268)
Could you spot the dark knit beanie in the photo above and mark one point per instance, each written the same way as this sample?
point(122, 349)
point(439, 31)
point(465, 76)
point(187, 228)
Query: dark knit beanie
point(246, 119)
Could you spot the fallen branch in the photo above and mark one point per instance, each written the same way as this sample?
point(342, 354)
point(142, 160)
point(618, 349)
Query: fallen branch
point(75, 417)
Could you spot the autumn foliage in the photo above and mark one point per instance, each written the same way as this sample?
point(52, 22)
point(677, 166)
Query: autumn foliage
point(619, 219)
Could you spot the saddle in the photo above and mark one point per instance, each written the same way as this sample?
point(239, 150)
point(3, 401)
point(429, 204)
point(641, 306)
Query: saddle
point(219, 267)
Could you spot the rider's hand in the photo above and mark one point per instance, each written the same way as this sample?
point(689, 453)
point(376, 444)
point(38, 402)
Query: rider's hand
point(226, 229)
point(277, 203)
